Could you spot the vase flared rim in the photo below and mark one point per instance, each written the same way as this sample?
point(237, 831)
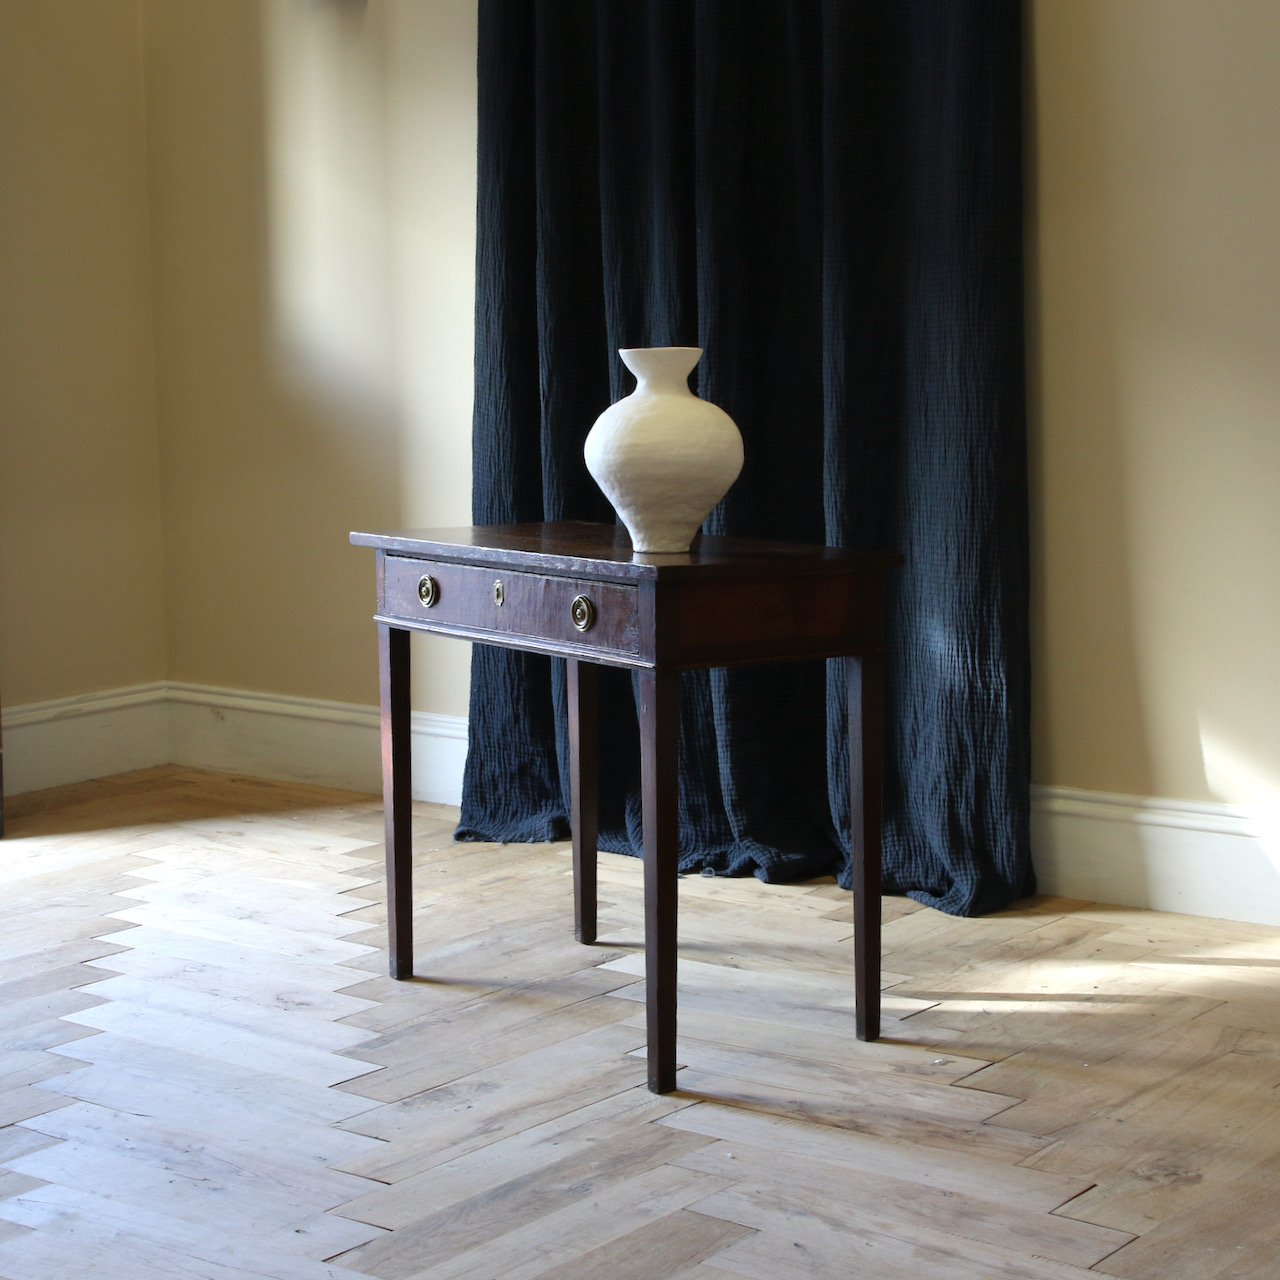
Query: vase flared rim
point(626, 351)
point(658, 365)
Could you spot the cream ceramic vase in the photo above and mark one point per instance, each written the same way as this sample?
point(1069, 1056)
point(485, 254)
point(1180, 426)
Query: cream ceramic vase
point(662, 456)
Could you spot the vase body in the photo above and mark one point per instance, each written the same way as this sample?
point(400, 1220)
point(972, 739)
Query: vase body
point(662, 456)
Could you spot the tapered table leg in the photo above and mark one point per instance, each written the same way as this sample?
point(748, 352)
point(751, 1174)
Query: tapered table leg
point(866, 752)
point(584, 746)
point(397, 774)
point(660, 781)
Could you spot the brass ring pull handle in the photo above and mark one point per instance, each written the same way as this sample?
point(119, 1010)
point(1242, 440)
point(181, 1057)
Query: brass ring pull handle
point(428, 590)
point(583, 613)
point(498, 594)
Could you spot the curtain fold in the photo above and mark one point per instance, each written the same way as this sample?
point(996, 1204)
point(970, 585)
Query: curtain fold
point(826, 197)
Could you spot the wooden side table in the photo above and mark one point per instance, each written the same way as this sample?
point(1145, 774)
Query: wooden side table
point(576, 591)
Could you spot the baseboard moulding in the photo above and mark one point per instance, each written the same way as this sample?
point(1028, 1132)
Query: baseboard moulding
point(334, 744)
point(89, 735)
point(1195, 857)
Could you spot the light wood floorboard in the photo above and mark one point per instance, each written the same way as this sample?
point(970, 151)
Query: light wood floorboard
point(206, 1073)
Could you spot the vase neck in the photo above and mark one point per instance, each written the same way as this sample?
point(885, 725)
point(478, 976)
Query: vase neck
point(661, 370)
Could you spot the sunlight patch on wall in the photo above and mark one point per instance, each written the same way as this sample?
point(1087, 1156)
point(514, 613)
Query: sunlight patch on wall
point(1237, 778)
point(329, 273)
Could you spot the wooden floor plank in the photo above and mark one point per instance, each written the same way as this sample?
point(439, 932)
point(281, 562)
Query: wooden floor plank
point(223, 1042)
point(284, 1015)
point(414, 1037)
point(143, 948)
point(838, 1046)
point(872, 1091)
point(16, 1141)
point(65, 1212)
point(705, 1270)
point(205, 923)
point(905, 1207)
point(891, 1123)
point(117, 1255)
point(270, 1157)
point(470, 1112)
point(959, 1171)
point(616, 1119)
point(448, 1057)
point(12, 1185)
point(669, 1246)
point(27, 1101)
point(997, 1026)
point(814, 999)
point(231, 1198)
point(311, 993)
point(1226, 1095)
point(567, 1232)
point(822, 1242)
point(1101, 1083)
point(276, 904)
point(46, 1034)
point(149, 1069)
point(514, 1202)
point(1230, 1232)
point(239, 1115)
point(24, 964)
point(29, 1066)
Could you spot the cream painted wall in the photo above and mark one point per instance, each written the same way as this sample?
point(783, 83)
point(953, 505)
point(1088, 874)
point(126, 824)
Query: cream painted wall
point(1155, 360)
point(313, 179)
point(236, 251)
point(296, 180)
point(80, 594)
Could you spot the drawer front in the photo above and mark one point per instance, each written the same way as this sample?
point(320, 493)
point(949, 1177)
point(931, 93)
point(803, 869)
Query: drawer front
point(471, 598)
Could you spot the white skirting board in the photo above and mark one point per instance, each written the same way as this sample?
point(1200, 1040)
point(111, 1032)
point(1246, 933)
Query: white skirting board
point(1196, 857)
point(332, 744)
point(88, 736)
point(1171, 855)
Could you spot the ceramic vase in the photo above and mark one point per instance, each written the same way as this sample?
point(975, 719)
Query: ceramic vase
point(662, 456)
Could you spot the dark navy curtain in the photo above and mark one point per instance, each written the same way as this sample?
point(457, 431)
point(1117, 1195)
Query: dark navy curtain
point(826, 198)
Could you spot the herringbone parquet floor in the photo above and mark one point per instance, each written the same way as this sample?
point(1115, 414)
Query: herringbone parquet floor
point(204, 1072)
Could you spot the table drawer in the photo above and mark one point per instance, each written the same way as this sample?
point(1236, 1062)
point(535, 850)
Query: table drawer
point(470, 598)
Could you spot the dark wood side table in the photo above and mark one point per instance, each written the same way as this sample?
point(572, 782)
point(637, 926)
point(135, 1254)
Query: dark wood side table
point(577, 592)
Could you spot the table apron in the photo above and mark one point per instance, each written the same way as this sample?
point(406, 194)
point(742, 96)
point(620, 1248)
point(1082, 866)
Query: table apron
point(603, 657)
point(510, 640)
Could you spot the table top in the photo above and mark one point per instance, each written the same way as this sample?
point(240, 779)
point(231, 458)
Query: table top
point(604, 551)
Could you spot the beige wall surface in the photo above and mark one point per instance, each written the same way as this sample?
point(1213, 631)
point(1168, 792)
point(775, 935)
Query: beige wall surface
point(1155, 361)
point(80, 592)
point(279, 197)
point(313, 190)
point(236, 259)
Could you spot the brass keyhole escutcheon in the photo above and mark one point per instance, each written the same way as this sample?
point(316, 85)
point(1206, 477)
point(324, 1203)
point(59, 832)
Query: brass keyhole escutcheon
point(498, 593)
point(583, 613)
point(428, 590)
